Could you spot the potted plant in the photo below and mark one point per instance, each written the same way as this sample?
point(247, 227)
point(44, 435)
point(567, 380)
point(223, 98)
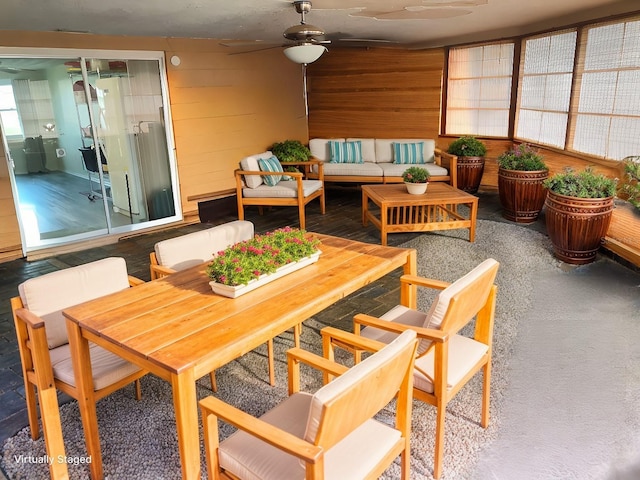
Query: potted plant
point(416, 179)
point(521, 173)
point(579, 207)
point(470, 152)
point(290, 151)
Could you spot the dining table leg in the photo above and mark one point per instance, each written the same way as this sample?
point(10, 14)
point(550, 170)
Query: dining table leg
point(81, 360)
point(185, 403)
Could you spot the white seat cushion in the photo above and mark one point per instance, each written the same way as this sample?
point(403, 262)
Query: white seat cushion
point(368, 169)
point(107, 367)
point(283, 189)
point(195, 248)
point(385, 153)
point(395, 170)
point(47, 295)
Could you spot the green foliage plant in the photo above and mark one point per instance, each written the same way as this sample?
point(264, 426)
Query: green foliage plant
point(522, 157)
point(261, 255)
point(630, 186)
point(290, 151)
point(467, 146)
point(584, 184)
point(416, 175)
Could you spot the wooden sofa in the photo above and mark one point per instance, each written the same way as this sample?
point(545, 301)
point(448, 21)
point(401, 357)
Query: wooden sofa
point(378, 163)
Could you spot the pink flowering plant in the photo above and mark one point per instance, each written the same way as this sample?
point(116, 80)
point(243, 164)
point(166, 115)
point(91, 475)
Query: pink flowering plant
point(261, 255)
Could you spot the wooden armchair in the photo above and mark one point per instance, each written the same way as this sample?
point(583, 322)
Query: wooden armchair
point(330, 434)
point(290, 188)
point(44, 351)
point(446, 361)
point(179, 253)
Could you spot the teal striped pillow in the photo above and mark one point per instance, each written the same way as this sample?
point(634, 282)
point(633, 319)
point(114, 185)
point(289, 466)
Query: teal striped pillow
point(345, 152)
point(270, 164)
point(408, 153)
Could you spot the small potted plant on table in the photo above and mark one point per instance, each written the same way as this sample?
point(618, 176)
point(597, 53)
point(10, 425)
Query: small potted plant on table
point(470, 152)
point(521, 173)
point(579, 207)
point(416, 179)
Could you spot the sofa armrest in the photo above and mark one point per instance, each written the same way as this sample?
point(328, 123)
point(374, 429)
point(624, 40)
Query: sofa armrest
point(450, 162)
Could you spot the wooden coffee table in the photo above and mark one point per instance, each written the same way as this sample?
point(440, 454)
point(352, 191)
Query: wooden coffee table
point(400, 211)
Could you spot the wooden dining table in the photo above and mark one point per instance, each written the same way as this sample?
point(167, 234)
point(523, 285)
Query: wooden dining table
point(179, 330)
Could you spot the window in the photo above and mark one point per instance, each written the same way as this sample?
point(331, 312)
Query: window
point(479, 90)
point(546, 73)
point(607, 120)
point(9, 112)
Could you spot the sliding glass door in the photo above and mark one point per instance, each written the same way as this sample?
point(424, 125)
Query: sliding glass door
point(88, 145)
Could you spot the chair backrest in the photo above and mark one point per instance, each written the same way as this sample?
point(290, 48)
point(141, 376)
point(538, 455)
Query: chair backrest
point(341, 406)
point(250, 164)
point(49, 294)
point(195, 248)
point(457, 304)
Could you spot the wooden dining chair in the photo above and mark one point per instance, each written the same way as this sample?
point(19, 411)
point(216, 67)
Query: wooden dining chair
point(329, 434)
point(185, 251)
point(446, 359)
point(44, 347)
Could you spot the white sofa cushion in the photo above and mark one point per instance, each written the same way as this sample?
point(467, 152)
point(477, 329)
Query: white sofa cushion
point(368, 169)
point(368, 148)
point(284, 189)
point(250, 164)
point(47, 295)
point(395, 170)
point(385, 153)
point(320, 148)
point(198, 247)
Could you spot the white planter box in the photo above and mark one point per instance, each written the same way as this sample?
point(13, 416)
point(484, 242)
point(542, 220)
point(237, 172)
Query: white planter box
point(236, 291)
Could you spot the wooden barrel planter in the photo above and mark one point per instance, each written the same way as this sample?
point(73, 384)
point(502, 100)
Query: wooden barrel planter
point(470, 171)
point(522, 194)
point(576, 226)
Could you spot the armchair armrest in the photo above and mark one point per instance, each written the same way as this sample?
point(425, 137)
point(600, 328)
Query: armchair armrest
point(325, 365)
point(29, 318)
point(424, 282)
point(437, 336)
point(159, 271)
point(133, 281)
point(258, 428)
point(450, 162)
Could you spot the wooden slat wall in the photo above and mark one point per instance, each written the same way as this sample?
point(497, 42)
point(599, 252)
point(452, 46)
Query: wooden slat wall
point(224, 107)
point(379, 93)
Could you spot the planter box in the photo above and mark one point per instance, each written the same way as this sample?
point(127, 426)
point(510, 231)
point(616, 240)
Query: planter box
point(623, 235)
point(236, 291)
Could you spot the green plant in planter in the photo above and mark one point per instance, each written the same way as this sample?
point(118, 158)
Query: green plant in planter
point(415, 175)
point(584, 184)
point(467, 147)
point(523, 158)
point(630, 187)
point(291, 151)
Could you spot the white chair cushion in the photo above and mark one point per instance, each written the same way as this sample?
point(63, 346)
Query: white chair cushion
point(403, 315)
point(320, 148)
point(368, 148)
point(368, 169)
point(107, 367)
point(395, 170)
point(283, 189)
point(195, 248)
point(464, 353)
point(251, 459)
point(47, 295)
point(250, 164)
point(384, 148)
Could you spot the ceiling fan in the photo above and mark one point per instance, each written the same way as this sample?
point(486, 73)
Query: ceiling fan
point(308, 41)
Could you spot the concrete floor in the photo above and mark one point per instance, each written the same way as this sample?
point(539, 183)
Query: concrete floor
point(585, 373)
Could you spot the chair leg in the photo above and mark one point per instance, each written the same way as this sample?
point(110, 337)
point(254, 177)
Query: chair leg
point(439, 440)
point(52, 429)
point(138, 388)
point(272, 368)
point(486, 389)
point(32, 408)
point(322, 204)
point(214, 384)
point(297, 332)
point(301, 215)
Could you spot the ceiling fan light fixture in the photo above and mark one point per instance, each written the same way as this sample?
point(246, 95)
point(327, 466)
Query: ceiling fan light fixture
point(304, 53)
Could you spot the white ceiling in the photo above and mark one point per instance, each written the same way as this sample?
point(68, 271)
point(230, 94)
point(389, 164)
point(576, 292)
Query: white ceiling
point(418, 23)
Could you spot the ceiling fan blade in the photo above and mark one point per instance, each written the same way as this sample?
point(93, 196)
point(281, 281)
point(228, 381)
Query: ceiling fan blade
point(256, 50)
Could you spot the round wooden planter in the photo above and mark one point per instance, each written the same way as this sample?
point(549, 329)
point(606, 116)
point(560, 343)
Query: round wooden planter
point(576, 226)
point(470, 171)
point(522, 194)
